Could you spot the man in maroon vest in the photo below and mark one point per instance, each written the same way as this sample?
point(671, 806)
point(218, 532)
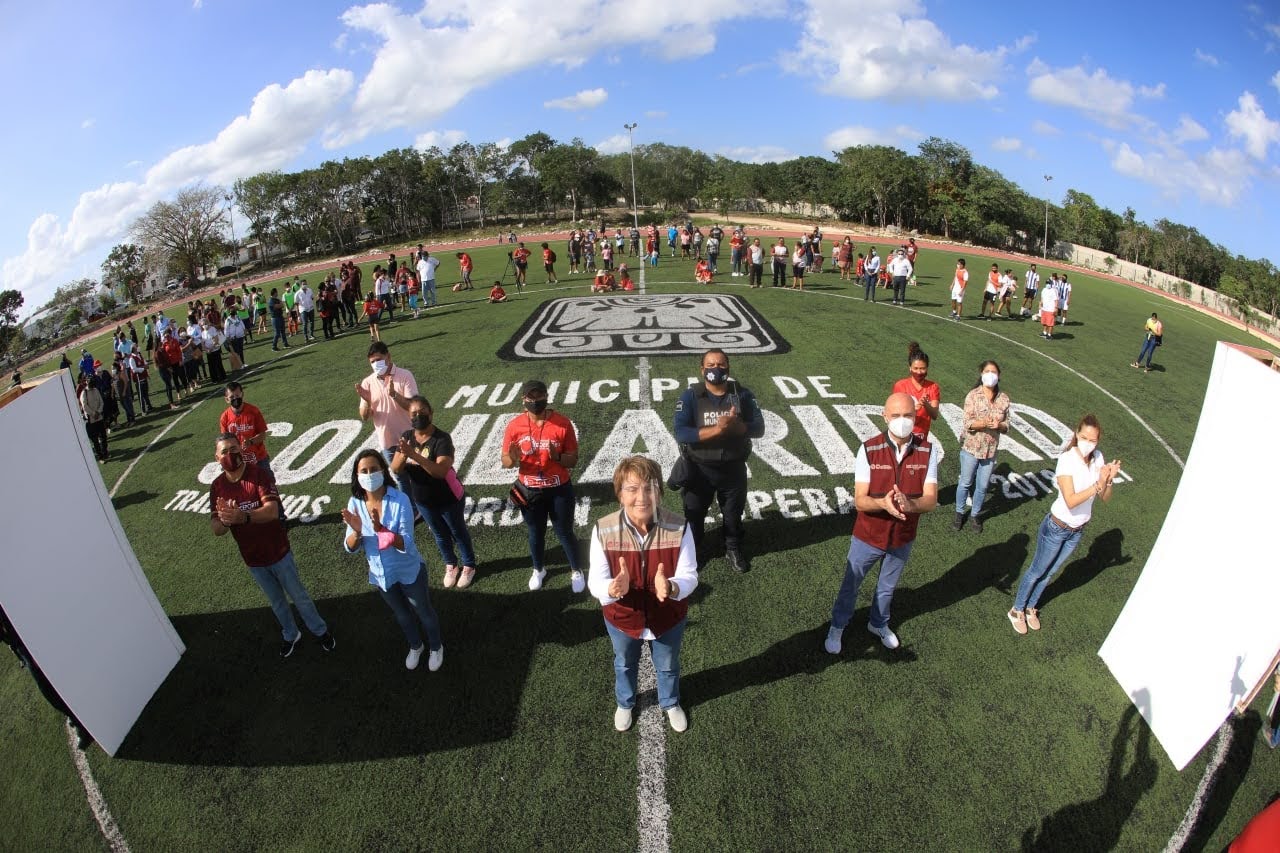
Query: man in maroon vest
point(895, 480)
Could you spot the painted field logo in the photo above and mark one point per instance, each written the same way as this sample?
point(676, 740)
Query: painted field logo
point(639, 325)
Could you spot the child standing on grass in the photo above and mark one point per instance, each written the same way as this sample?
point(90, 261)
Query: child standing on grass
point(372, 308)
point(1048, 308)
point(549, 264)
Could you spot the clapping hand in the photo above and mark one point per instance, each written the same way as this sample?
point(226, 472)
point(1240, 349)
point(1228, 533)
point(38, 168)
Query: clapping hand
point(353, 521)
point(363, 392)
point(621, 583)
point(229, 513)
point(895, 504)
point(407, 450)
point(376, 516)
point(661, 586)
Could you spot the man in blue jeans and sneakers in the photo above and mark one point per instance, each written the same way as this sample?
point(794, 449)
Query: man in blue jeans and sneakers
point(895, 481)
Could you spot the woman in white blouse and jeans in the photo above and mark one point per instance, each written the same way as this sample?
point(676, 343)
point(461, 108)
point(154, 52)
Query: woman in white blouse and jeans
point(1082, 476)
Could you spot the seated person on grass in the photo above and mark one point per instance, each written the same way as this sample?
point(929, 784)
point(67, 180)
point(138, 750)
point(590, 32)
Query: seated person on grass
point(624, 278)
point(497, 294)
point(702, 272)
point(603, 283)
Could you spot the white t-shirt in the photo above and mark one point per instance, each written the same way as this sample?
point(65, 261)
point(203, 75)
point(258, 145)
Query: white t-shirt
point(427, 268)
point(381, 287)
point(757, 254)
point(305, 299)
point(899, 267)
point(1084, 476)
point(1049, 302)
point(958, 284)
point(780, 253)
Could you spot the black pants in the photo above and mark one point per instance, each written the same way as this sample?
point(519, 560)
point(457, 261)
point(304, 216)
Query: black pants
point(757, 273)
point(727, 483)
point(97, 431)
point(900, 288)
point(216, 371)
point(144, 394)
point(779, 273)
point(326, 323)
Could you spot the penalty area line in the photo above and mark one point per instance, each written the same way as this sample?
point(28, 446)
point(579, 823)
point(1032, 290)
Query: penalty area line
point(97, 803)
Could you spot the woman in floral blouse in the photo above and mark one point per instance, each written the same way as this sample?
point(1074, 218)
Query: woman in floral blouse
point(986, 415)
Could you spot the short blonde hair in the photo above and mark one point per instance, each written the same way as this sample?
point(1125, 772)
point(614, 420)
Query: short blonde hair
point(642, 468)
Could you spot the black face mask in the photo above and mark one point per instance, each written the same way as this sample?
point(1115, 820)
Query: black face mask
point(236, 402)
point(537, 407)
point(420, 422)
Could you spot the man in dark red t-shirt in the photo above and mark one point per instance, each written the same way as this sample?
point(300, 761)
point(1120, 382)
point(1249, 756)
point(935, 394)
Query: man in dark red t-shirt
point(245, 502)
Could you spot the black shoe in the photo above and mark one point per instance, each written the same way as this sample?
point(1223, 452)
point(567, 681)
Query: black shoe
point(287, 646)
point(736, 561)
point(958, 524)
point(327, 642)
point(975, 524)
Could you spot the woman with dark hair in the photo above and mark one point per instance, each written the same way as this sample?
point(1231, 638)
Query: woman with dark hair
point(986, 415)
point(920, 388)
point(1082, 476)
point(379, 519)
point(424, 462)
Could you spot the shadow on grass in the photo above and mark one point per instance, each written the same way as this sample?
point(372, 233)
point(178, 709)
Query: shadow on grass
point(1227, 780)
point(1096, 824)
point(138, 497)
point(232, 701)
point(1105, 551)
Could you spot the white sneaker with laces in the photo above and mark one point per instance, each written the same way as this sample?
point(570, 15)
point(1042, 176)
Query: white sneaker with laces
point(833, 644)
point(535, 579)
point(578, 582)
point(676, 717)
point(411, 660)
point(888, 639)
point(622, 718)
point(435, 660)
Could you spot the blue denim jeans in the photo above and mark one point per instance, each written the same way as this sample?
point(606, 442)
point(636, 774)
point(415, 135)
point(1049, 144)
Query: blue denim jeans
point(1054, 545)
point(278, 336)
point(309, 323)
point(666, 661)
point(429, 293)
point(411, 604)
point(973, 469)
point(869, 287)
point(1148, 350)
point(860, 560)
point(280, 579)
point(449, 528)
point(556, 504)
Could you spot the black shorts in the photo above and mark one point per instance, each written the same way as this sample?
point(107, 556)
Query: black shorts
point(988, 297)
point(1030, 293)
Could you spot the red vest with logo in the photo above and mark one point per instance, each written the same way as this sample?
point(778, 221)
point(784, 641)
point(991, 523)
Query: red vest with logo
point(640, 608)
point(879, 529)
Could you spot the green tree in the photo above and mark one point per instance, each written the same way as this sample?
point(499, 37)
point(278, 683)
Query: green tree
point(126, 267)
point(10, 303)
point(187, 231)
point(947, 168)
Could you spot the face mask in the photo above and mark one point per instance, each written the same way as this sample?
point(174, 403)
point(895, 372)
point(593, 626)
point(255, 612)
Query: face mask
point(716, 375)
point(380, 367)
point(232, 462)
point(991, 380)
point(901, 427)
point(236, 402)
point(370, 482)
point(420, 421)
point(1086, 447)
point(536, 406)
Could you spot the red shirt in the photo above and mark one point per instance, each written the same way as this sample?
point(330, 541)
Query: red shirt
point(930, 390)
point(546, 256)
point(497, 293)
point(244, 426)
point(465, 262)
point(521, 255)
point(537, 469)
point(372, 306)
point(260, 544)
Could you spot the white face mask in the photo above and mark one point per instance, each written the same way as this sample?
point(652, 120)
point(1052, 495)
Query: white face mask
point(380, 367)
point(1086, 447)
point(370, 482)
point(901, 427)
point(990, 380)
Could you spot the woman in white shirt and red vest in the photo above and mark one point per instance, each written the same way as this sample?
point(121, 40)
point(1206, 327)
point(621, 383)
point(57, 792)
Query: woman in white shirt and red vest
point(643, 569)
point(1082, 475)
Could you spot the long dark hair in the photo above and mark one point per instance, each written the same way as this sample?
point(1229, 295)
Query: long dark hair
point(914, 354)
point(1087, 419)
point(995, 389)
point(356, 489)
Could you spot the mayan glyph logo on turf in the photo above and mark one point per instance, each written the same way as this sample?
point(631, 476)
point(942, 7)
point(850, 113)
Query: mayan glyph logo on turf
point(638, 325)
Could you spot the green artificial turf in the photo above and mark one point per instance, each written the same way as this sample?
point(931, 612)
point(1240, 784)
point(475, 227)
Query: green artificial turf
point(968, 737)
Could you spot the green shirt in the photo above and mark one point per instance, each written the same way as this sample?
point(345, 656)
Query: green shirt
point(289, 296)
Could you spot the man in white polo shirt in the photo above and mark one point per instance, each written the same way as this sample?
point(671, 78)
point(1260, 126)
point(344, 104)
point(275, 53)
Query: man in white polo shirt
point(305, 299)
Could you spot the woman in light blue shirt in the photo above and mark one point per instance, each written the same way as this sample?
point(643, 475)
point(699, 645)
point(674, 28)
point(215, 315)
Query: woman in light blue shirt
point(379, 519)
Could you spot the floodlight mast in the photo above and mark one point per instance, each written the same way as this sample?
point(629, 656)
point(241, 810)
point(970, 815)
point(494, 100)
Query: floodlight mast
point(631, 146)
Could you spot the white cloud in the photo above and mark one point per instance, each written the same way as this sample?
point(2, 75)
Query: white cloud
point(133, 164)
point(888, 49)
point(899, 136)
point(1250, 123)
point(197, 4)
point(1219, 176)
point(442, 139)
point(585, 100)
point(658, 114)
point(1206, 58)
point(1007, 143)
point(1275, 81)
point(616, 144)
point(1097, 94)
point(757, 153)
point(277, 128)
point(87, 123)
point(1044, 128)
point(426, 63)
point(1188, 130)
point(340, 42)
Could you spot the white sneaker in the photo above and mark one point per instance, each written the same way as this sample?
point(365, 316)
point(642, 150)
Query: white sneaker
point(622, 718)
point(888, 639)
point(435, 660)
point(675, 716)
point(411, 660)
point(535, 579)
point(833, 643)
point(578, 582)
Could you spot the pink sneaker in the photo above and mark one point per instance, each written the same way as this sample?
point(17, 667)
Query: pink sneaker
point(450, 575)
point(468, 575)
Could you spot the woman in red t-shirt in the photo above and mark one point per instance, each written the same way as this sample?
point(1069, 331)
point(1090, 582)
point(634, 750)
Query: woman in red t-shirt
point(924, 391)
point(543, 444)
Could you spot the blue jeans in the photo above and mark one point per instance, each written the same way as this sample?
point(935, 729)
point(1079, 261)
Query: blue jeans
point(411, 600)
point(869, 285)
point(557, 504)
point(429, 293)
point(450, 528)
point(1148, 350)
point(280, 579)
point(972, 467)
point(1054, 545)
point(279, 336)
point(666, 661)
point(309, 324)
point(861, 558)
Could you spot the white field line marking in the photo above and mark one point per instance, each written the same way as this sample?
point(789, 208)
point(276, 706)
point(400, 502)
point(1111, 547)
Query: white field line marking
point(1221, 746)
point(653, 813)
point(97, 803)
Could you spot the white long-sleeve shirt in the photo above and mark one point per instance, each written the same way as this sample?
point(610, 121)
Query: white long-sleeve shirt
point(599, 577)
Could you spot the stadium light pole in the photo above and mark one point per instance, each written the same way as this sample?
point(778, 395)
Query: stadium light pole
point(231, 217)
point(1047, 179)
point(631, 146)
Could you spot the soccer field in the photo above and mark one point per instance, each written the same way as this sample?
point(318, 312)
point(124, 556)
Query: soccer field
point(968, 737)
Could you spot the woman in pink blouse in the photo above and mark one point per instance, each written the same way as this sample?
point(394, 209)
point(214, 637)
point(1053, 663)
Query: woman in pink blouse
point(986, 415)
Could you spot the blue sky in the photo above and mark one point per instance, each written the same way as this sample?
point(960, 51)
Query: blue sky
point(112, 107)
